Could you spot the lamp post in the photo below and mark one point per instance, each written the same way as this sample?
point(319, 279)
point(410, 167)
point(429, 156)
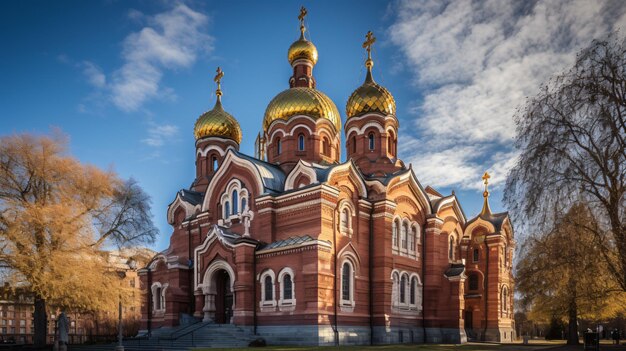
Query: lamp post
point(122, 274)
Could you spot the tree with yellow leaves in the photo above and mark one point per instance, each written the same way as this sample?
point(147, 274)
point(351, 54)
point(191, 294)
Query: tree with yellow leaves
point(56, 216)
point(562, 274)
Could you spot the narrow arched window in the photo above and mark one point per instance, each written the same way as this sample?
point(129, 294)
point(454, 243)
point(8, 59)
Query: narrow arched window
point(235, 201)
point(403, 235)
point(353, 144)
point(301, 142)
point(243, 204)
point(413, 290)
point(506, 254)
point(157, 298)
point(451, 249)
point(411, 240)
point(473, 281)
point(287, 287)
point(394, 234)
point(215, 165)
point(269, 288)
point(345, 220)
point(226, 209)
point(504, 298)
point(279, 147)
point(403, 289)
point(346, 282)
point(371, 141)
point(325, 146)
point(476, 255)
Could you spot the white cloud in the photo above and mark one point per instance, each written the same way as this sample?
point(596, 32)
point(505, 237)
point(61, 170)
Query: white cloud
point(170, 40)
point(159, 134)
point(475, 62)
point(94, 74)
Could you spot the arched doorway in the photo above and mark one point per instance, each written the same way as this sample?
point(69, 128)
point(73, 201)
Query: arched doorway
point(223, 298)
point(217, 287)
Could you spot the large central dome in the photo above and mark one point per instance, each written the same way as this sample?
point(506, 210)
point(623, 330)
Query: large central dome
point(301, 101)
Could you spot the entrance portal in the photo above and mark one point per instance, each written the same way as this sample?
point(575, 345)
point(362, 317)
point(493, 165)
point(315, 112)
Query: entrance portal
point(224, 298)
point(217, 287)
point(469, 325)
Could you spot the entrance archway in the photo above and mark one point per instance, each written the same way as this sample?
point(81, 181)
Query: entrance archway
point(219, 298)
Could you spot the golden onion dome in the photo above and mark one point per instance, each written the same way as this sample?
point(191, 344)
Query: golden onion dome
point(370, 97)
point(301, 101)
point(217, 122)
point(302, 49)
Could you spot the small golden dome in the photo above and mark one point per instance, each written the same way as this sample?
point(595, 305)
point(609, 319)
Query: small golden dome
point(370, 97)
point(302, 49)
point(301, 101)
point(217, 122)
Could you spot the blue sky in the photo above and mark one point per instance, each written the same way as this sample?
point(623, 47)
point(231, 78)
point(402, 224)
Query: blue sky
point(127, 80)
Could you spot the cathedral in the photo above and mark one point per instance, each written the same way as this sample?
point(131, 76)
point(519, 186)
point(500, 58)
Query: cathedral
point(297, 247)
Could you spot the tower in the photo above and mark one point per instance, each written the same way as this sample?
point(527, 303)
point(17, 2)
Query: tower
point(372, 127)
point(215, 131)
point(301, 122)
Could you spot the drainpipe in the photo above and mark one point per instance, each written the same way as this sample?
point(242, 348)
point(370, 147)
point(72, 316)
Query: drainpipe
point(371, 273)
point(424, 279)
point(334, 325)
point(254, 317)
point(485, 287)
point(149, 301)
point(190, 273)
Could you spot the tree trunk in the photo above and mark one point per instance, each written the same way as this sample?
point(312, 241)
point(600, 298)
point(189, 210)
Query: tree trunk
point(41, 322)
point(572, 328)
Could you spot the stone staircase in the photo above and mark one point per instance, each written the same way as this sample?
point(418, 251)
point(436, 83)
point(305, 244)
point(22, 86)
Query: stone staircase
point(206, 335)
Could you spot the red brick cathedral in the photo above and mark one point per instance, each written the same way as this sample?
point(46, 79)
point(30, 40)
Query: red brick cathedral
point(300, 248)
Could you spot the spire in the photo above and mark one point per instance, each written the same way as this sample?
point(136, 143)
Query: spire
point(301, 16)
point(486, 211)
point(369, 63)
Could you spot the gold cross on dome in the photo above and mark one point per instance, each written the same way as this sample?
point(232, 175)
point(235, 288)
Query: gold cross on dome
point(219, 75)
point(486, 177)
point(303, 13)
point(367, 45)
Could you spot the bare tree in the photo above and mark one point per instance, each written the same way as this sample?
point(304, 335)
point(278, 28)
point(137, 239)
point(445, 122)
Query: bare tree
point(56, 216)
point(572, 138)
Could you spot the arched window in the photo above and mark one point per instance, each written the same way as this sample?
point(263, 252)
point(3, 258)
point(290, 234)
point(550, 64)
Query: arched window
point(473, 281)
point(158, 299)
point(244, 203)
point(279, 148)
point(235, 200)
point(505, 299)
point(325, 146)
point(476, 255)
point(403, 234)
point(345, 282)
point(268, 288)
point(287, 287)
point(215, 164)
point(411, 239)
point(413, 290)
point(394, 233)
point(451, 248)
point(371, 141)
point(226, 209)
point(301, 142)
point(353, 144)
point(403, 289)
